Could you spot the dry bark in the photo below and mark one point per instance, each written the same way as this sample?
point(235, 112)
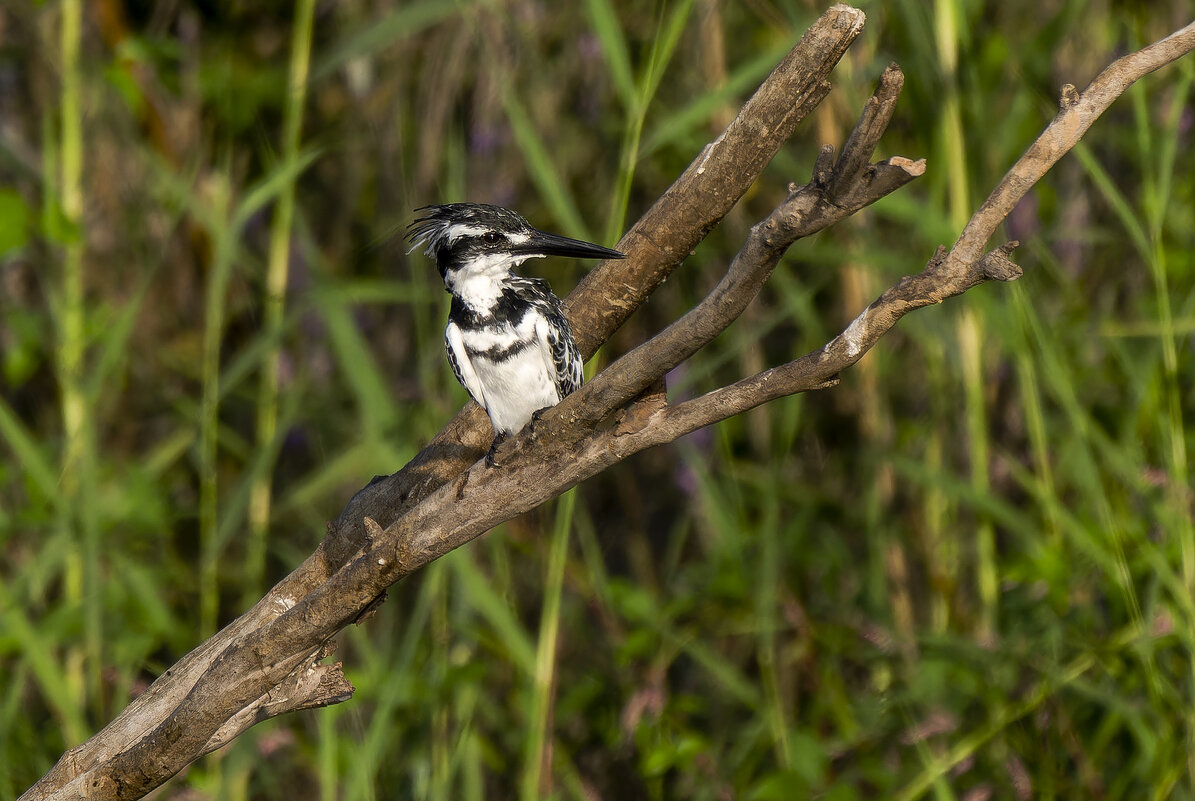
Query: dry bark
point(267, 661)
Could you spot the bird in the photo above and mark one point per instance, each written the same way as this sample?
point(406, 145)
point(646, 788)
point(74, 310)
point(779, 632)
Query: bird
point(508, 340)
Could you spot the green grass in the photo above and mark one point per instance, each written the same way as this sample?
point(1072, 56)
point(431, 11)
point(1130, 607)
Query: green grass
point(274, 302)
point(968, 567)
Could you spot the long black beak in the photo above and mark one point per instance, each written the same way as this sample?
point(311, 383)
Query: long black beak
point(544, 244)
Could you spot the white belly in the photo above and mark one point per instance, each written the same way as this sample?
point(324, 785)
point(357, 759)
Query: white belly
point(516, 387)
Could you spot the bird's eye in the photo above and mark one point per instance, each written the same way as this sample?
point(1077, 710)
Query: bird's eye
point(491, 238)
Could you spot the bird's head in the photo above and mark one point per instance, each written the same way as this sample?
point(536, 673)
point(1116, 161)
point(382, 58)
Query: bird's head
point(471, 241)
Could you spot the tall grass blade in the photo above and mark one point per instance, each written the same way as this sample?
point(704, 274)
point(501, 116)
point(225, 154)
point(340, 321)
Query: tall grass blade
point(223, 249)
point(543, 169)
point(536, 758)
point(82, 577)
point(663, 46)
point(277, 270)
point(604, 20)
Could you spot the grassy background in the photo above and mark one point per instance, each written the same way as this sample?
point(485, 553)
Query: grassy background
point(968, 572)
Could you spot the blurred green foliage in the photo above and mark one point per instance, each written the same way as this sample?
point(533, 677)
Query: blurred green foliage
point(967, 572)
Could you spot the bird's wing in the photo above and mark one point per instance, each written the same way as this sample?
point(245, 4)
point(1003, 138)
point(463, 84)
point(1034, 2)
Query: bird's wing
point(462, 367)
point(556, 341)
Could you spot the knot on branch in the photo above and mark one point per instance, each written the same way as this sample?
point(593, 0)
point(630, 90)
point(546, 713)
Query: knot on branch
point(937, 260)
point(635, 417)
point(996, 265)
point(1069, 97)
point(308, 686)
point(823, 171)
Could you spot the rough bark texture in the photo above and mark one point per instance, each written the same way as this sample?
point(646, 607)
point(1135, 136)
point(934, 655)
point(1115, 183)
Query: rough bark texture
point(266, 662)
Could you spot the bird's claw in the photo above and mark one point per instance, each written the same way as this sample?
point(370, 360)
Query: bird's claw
point(538, 413)
point(491, 457)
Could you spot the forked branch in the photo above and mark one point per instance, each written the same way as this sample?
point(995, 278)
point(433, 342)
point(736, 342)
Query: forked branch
point(265, 662)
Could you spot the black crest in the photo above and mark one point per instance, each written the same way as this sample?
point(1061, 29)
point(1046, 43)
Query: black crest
point(452, 232)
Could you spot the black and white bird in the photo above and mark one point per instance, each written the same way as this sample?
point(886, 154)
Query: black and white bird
point(507, 338)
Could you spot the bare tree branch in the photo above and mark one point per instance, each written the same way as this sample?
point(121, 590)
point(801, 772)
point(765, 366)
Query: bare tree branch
point(265, 662)
point(655, 246)
point(675, 224)
point(309, 686)
point(948, 273)
point(833, 193)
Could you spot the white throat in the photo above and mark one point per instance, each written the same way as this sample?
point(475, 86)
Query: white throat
point(479, 291)
point(479, 283)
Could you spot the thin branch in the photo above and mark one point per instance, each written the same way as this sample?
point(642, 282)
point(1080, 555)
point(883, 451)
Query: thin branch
point(1076, 115)
point(832, 194)
point(948, 273)
point(816, 370)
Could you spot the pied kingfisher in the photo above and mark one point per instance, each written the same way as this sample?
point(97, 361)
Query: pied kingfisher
point(507, 337)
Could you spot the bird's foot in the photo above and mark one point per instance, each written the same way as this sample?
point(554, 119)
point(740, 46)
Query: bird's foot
point(491, 457)
point(538, 413)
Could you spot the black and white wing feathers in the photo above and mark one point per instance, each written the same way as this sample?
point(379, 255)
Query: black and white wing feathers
point(555, 336)
point(566, 358)
point(462, 365)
